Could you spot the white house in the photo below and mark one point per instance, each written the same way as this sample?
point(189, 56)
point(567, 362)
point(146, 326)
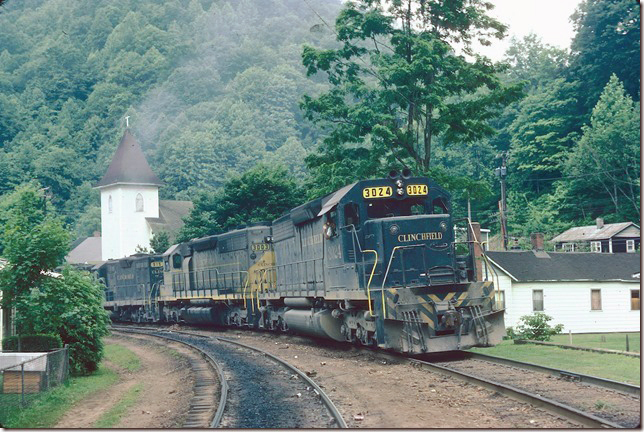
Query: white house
point(130, 207)
point(586, 292)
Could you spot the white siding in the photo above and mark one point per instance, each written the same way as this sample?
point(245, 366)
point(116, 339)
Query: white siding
point(568, 303)
point(124, 228)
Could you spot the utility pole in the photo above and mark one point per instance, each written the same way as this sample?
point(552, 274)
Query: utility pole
point(501, 173)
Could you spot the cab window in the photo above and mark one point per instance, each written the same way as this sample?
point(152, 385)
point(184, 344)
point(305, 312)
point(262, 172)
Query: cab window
point(176, 261)
point(439, 206)
point(352, 215)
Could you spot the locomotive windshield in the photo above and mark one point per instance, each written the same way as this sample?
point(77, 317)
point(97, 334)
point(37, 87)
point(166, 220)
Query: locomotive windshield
point(408, 207)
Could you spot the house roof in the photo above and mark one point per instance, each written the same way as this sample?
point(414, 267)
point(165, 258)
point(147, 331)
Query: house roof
point(589, 233)
point(523, 266)
point(87, 251)
point(171, 214)
point(129, 165)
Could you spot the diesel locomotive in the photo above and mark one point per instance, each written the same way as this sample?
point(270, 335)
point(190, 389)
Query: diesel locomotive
point(375, 263)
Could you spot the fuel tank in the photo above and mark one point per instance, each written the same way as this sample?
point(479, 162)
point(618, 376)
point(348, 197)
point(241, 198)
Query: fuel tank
point(314, 323)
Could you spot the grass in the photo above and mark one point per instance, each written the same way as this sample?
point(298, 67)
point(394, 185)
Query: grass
point(47, 408)
point(611, 366)
point(114, 415)
point(122, 357)
point(612, 341)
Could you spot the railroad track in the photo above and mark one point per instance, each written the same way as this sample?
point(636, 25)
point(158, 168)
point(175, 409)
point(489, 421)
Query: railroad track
point(555, 403)
point(262, 390)
point(572, 376)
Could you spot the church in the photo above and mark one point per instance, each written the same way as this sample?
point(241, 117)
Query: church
point(131, 211)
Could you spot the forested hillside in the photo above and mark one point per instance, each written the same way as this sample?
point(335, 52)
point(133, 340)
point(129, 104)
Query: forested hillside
point(212, 87)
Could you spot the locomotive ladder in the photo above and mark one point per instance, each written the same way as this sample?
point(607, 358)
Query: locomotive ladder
point(480, 325)
point(412, 329)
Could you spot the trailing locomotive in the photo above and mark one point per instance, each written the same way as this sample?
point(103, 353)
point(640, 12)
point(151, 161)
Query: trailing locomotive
point(373, 263)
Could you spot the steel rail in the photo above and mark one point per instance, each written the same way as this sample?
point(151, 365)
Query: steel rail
point(587, 379)
point(328, 403)
point(549, 405)
point(223, 396)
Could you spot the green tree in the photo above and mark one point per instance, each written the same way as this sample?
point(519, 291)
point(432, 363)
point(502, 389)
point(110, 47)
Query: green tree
point(34, 243)
point(72, 307)
point(605, 163)
point(541, 136)
point(398, 83)
point(261, 194)
point(606, 42)
point(160, 242)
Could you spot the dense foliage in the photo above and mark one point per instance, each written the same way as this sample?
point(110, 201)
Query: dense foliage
point(210, 88)
point(213, 88)
point(32, 343)
point(399, 85)
point(261, 194)
point(68, 305)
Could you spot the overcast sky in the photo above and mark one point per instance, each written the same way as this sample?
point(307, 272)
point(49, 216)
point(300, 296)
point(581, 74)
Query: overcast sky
point(550, 19)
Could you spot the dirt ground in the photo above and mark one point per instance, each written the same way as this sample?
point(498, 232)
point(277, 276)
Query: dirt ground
point(374, 392)
point(164, 401)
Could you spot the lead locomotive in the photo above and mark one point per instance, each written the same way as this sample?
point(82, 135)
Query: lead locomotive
point(374, 263)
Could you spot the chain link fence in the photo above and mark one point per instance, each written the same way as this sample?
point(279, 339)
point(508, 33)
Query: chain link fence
point(23, 376)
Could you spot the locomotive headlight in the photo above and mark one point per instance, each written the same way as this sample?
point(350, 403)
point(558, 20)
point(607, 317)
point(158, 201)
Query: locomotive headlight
point(399, 183)
point(400, 191)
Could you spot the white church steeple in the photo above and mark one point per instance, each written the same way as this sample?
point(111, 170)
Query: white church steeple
point(129, 195)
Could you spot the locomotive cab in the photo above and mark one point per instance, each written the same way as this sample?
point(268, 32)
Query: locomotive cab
point(398, 236)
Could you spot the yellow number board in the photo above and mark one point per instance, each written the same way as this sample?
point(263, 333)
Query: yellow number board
point(417, 190)
point(260, 247)
point(156, 264)
point(377, 192)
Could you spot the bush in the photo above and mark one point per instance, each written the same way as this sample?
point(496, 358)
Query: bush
point(72, 307)
point(32, 343)
point(536, 327)
point(509, 333)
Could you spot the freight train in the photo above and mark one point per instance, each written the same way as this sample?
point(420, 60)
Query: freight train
point(375, 263)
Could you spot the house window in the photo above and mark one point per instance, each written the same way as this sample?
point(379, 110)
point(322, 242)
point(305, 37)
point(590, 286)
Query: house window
point(568, 247)
point(139, 202)
point(630, 245)
point(500, 299)
point(537, 300)
point(595, 299)
point(109, 204)
point(635, 299)
point(596, 246)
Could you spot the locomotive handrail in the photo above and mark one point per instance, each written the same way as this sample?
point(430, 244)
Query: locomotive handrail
point(373, 270)
point(384, 280)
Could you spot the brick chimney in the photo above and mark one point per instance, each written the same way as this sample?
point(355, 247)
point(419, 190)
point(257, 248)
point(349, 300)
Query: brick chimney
point(600, 223)
point(537, 241)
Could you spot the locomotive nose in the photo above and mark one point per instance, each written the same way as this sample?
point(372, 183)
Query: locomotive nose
point(416, 250)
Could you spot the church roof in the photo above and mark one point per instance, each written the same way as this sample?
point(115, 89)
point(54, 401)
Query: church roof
point(87, 251)
point(171, 214)
point(129, 165)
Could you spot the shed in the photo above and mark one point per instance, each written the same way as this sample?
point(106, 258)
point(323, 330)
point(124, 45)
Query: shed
point(586, 292)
